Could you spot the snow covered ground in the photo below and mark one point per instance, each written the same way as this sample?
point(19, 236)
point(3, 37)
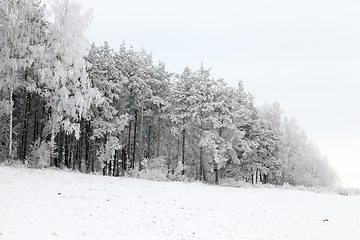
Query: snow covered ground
point(52, 204)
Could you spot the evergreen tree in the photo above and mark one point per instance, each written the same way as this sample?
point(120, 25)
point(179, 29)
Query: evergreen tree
point(106, 120)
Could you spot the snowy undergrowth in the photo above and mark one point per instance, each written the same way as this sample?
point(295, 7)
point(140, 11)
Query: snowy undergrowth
point(53, 204)
point(331, 190)
point(155, 174)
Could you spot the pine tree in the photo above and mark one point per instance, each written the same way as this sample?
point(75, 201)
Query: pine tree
point(106, 120)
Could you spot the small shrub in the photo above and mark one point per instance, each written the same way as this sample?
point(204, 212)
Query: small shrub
point(153, 174)
point(39, 156)
point(232, 182)
point(177, 174)
point(154, 169)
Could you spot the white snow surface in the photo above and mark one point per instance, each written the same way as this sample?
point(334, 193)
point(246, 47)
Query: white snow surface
point(54, 204)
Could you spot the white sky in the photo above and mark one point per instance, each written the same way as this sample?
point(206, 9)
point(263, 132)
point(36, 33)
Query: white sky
point(303, 54)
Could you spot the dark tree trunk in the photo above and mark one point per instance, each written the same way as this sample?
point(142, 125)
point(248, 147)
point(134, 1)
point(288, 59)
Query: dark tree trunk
point(128, 160)
point(75, 152)
point(92, 162)
point(134, 145)
point(87, 146)
point(117, 152)
point(22, 136)
point(178, 150)
point(67, 161)
point(215, 164)
point(27, 126)
point(60, 148)
point(169, 152)
point(70, 150)
point(105, 162)
point(256, 176)
point(264, 178)
point(35, 127)
point(216, 175)
point(183, 149)
point(202, 168)
point(141, 135)
point(116, 164)
point(123, 162)
point(158, 139)
point(80, 141)
point(110, 167)
point(42, 122)
point(105, 168)
point(149, 143)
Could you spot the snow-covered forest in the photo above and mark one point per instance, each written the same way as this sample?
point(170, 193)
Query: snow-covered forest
point(66, 103)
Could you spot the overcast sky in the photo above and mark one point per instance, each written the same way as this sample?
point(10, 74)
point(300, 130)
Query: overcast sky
point(303, 54)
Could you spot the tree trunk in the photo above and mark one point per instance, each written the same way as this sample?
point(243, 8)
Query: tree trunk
point(128, 160)
point(92, 162)
point(116, 163)
point(23, 125)
point(178, 155)
point(264, 178)
point(52, 139)
point(110, 167)
point(134, 146)
point(105, 168)
point(67, 163)
point(149, 143)
point(202, 168)
point(215, 164)
point(105, 162)
point(216, 175)
point(183, 149)
point(123, 161)
point(158, 138)
point(256, 176)
point(117, 152)
point(80, 141)
point(87, 146)
point(42, 122)
point(141, 134)
point(36, 126)
point(169, 152)
point(61, 148)
point(11, 114)
point(12, 54)
point(26, 126)
point(75, 152)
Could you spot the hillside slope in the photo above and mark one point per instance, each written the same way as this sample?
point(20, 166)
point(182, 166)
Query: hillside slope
point(51, 204)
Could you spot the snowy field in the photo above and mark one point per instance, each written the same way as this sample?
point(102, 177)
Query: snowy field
point(50, 204)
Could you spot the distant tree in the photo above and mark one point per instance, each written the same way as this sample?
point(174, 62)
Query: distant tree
point(301, 161)
point(304, 165)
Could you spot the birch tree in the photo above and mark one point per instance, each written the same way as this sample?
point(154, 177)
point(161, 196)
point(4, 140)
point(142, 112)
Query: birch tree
point(19, 29)
point(66, 86)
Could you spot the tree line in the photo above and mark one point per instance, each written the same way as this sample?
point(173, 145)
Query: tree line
point(67, 104)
